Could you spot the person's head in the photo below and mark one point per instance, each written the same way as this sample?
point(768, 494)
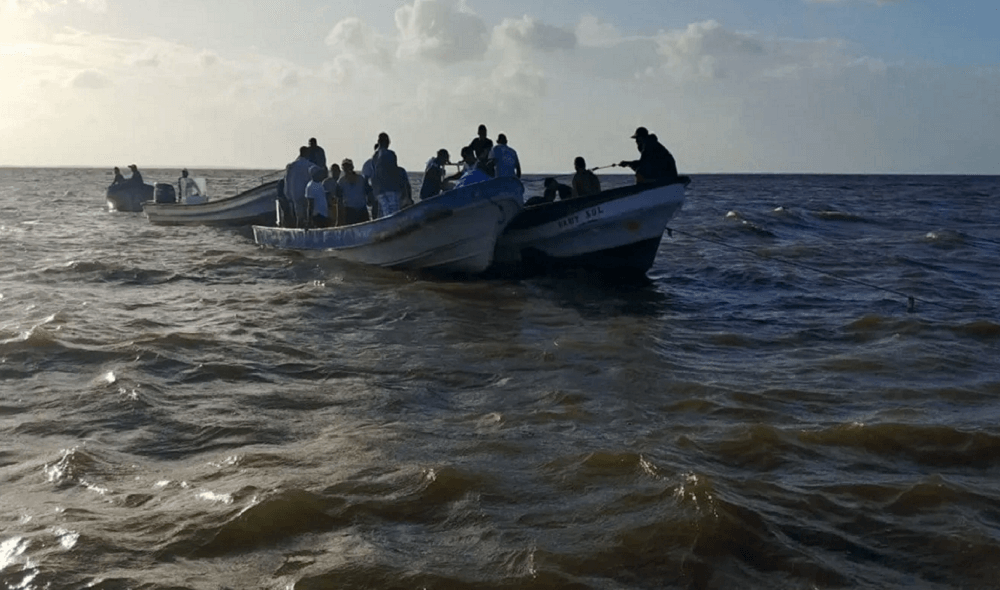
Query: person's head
point(132, 167)
point(468, 155)
point(383, 140)
point(502, 139)
point(334, 171)
point(443, 156)
point(640, 135)
point(579, 163)
point(304, 151)
point(312, 142)
point(348, 166)
point(117, 171)
point(550, 182)
point(317, 173)
point(482, 131)
point(184, 173)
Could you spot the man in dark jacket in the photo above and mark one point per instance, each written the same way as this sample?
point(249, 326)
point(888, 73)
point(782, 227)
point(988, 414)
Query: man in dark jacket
point(655, 164)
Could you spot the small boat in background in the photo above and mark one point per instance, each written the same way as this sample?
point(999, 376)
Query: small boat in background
point(251, 207)
point(618, 230)
point(454, 232)
point(128, 196)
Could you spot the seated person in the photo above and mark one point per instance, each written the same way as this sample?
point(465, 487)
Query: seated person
point(187, 187)
point(585, 182)
point(553, 189)
point(118, 177)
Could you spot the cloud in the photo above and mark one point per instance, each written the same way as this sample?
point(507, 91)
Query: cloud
point(441, 31)
point(353, 37)
point(528, 33)
point(591, 31)
point(90, 79)
point(30, 7)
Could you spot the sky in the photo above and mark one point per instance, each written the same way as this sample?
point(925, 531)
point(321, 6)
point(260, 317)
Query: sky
point(785, 86)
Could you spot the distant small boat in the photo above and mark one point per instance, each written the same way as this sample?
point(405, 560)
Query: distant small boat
point(128, 196)
point(251, 207)
point(617, 230)
point(454, 232)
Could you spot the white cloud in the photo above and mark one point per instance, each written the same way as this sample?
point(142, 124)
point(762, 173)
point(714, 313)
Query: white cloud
point(30, 7)
point(528, 33)
point(720, 99)
point(353, 37)
point(90, 79)
point(441, 31)
point(593, 32)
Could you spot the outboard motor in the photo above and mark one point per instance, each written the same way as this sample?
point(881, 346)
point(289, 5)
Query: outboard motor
point(164, 193)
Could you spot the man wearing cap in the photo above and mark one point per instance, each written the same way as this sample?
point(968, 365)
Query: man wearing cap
point(434, 175)
point(136, 177)
point(504, 160)
point(655, 164)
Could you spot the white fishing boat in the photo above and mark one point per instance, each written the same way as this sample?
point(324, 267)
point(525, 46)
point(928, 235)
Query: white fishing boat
point(251, 207)
point(454, 232)
point(617, 230)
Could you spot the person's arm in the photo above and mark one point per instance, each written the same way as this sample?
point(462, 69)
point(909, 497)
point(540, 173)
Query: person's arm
point(517, 166)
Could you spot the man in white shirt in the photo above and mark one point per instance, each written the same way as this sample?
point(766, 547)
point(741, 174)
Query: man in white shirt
point(352, 193)
point(316, 197)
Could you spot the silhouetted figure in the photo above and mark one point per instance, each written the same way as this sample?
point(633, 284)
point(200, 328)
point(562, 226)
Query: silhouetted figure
point(585, 182)
point(655, 164)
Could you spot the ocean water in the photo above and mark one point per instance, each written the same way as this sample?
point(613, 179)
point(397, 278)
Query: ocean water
point(182, 409)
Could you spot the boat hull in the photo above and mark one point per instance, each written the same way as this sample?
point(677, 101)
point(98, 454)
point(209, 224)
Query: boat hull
point(253, 207)
point(616, 231)
point(455, 232)
point(128, 197)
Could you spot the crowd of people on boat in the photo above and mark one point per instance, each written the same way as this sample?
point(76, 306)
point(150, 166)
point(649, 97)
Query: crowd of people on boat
point(317, 195)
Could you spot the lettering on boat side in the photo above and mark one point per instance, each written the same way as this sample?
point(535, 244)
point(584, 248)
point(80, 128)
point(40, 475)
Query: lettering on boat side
point(588, 215)
point(569, 221)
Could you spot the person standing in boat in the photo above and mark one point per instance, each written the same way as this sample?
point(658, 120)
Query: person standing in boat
point(655, 164)
point(387, 183)
point(316, 154)
point(353, 192)
point(330, 186)
point(503, 159)
point(296, 178)
point(118, 177)
point(585, 182)
point(319, 212)
point(368, 172)
point(481, 145)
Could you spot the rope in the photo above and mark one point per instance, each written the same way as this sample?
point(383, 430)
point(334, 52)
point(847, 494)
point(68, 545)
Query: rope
point(567, 175)
point(911, 301)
